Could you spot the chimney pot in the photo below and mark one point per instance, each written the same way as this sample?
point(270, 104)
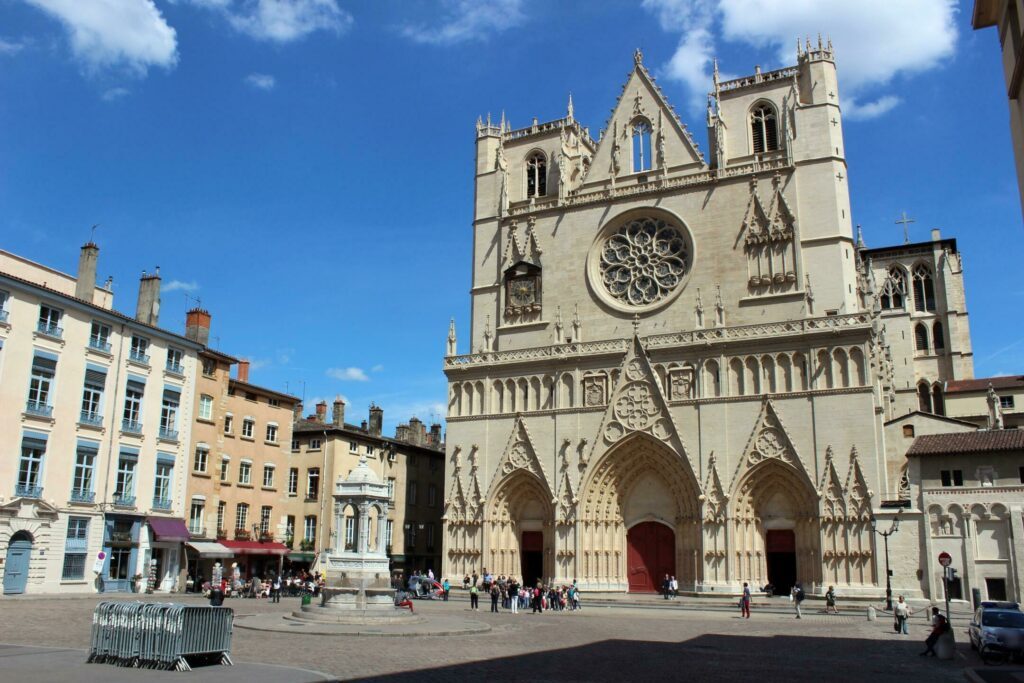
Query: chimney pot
point(197, 325)
point(936, 235)
point(85, 283)
point(338, 414)
point(321, 412)
point(148, 309)
point(243, 371)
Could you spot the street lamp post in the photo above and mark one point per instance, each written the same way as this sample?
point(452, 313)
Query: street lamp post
point(885, 537)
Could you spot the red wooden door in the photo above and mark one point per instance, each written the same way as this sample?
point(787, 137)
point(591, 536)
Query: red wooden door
point(650, 554)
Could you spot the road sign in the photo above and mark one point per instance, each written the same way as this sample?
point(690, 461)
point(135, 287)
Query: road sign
point(945, 559)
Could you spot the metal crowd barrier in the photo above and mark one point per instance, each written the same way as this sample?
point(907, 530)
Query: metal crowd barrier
point(160, 635)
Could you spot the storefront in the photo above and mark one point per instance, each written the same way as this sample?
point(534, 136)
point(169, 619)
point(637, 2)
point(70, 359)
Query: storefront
point(294, 562)
point(121, 545)
point(163, 558)
point(200, 556)
point(257, 558)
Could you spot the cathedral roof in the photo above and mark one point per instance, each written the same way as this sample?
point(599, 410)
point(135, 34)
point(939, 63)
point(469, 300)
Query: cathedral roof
point(968, 442)
point(982, 384)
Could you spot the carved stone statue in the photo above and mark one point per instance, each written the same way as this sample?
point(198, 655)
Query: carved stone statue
point(501, 164)
point(995, 409)
point(563, 176)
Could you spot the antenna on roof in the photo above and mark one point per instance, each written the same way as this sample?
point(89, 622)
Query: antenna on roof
point(92, 233)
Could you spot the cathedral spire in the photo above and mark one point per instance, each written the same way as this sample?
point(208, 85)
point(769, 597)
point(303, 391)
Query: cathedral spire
point(451, 337)
point(860, 238)
point(570, 113)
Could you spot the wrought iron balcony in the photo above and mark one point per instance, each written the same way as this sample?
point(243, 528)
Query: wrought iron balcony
point(138, 357)
point(28, 491)
point(176, 368)
point(83, 496)
point(99, 344)
point(168, 434)
point(131, 427)
point(50, 329)
point(124, 500)
point(38, 408)
point(197, 529)
point(161, 503)
point(90, 418)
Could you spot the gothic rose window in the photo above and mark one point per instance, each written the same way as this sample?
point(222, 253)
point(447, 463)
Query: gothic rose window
point(644, 261)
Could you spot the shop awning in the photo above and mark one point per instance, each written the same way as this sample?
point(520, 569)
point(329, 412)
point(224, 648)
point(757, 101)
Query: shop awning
point(301, 557)
point(169, 529)
point(256, 547)
point(210, 549)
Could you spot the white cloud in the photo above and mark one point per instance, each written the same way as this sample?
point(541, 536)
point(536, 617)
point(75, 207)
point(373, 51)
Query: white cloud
point(348, 374)
point(467, 20)
point(115, 33)
point(281, 21)
point(174, 285)
point(11, 47)
point(259, 363)
point(377, 368)
point(116, 94)
point(261, 81)
point(875, 40)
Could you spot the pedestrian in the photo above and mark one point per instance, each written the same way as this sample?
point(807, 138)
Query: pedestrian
point(513, 594)
point(538, 601)
point(275, 589)
point(666, 586)
point(830, 601)
point(902, 611)
point(796, 594)
point(674, 585)
point(474, 597)
point(445, 587)
point(495, 594)
point(745, 602)
point(939, 626)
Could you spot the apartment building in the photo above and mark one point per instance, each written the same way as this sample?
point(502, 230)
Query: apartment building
point(95, 415)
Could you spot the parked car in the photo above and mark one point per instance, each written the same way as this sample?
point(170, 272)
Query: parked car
point(997, 625)
point(423, 588)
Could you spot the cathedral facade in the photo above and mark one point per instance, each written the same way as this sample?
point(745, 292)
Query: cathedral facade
point(682, 363)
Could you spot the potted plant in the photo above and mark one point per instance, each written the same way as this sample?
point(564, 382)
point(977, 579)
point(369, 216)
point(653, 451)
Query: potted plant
point(306, 546)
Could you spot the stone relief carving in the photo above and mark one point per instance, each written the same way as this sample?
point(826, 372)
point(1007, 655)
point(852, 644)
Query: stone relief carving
point(680, 383)
point(595, 390)
point(769, 242)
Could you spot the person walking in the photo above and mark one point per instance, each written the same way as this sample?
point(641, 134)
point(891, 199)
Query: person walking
point(495, 594)
point(513, 594)
point(666, 586)
point(445, 587)
point(745, 602)
point(275, 588)
point(902, 611)
point(830, 601)
point(796, 594)
point(674, 586)
point(538, 603)
point(474, 597)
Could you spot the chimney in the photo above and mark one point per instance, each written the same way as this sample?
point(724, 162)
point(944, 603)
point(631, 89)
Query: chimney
point(338, 416)
point(243, 371)
point(936, 235)
point(435, 435)
point(148, 309)
point(297, 412)
point(197, 325)
point(376, 419)
point(85, 284)
point(321, 412)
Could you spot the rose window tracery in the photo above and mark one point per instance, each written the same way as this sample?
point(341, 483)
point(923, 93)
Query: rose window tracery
point(644, 261)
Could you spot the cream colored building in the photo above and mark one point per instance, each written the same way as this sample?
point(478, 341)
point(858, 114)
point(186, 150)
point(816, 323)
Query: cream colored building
point(969, 400)
point(1005, 16)
point(95, 413)
point(239, 488)
point(681, 363)
point(325, 449)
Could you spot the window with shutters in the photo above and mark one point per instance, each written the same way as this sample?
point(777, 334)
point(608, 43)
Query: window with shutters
point(938, 402)
point(924, 398)
point(938, 337)
point(924, 288)
point(40, 385)
point(764, 131)
point(92, 396)
point(921, 338)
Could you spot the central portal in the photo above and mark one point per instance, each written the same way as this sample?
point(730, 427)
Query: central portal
point(532, 568)
point(650, 554)
point(780, 552)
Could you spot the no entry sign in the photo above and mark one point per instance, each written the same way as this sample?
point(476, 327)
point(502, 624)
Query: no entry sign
point(945, 559)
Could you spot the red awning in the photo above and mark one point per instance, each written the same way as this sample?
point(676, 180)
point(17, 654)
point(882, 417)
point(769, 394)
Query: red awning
point(255, 547)
point(169, 529)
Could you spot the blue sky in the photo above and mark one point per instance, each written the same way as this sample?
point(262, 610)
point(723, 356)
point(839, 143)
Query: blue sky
point(305, 166)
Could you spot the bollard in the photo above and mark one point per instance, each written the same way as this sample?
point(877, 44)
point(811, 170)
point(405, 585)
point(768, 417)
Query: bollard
point(871, 613)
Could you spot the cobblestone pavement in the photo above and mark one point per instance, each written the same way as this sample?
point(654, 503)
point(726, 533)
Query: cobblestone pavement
point(595, 644)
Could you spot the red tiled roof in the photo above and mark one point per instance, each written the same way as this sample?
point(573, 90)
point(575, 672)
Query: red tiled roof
point(981, 384)
point(968, 442)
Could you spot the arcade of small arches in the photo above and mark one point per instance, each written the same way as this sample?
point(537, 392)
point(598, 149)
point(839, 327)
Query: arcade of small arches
point(640, 513)
point(955, 519)
point(834, 368)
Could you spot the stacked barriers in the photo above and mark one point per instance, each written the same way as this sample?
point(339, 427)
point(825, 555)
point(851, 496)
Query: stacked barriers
point(160, 635)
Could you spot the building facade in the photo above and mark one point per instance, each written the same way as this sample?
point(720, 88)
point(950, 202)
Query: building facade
point(95, 413)
point(683, 363)
point(971, 399)
point(324, 451)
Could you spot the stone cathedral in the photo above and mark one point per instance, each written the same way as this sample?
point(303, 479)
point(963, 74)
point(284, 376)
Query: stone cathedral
point(681, 362)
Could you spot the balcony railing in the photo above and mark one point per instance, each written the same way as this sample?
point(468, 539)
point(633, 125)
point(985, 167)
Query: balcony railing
point(168, 434)
point(28, 491)
point(241, 534)
point(50, 329)
point(121, 536)
point(38, 408)
point(138, 357)
point(90, 418)
point(197, 530)
point(100, 344)
point(124, 500)
point(130, 427)
point(175, 368)
point(83, 496)
point(161, 503)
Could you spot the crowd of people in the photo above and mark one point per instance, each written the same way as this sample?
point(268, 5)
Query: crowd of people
point(507, 593)
point(230, 584)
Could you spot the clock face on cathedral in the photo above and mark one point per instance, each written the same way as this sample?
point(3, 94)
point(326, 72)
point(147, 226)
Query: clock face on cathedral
point(640, 261)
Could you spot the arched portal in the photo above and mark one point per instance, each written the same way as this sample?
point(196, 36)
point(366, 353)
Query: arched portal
point(519, 523)
point(776, 527)
point(19, 554)
point(638, 482)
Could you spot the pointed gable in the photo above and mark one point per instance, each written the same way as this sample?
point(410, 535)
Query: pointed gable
point(671, 142)
point(769, 440)
point(566, 500)
point(715, 497)
point(755, 220)
point(831, 490)
point(519, 454)
point(857, 491)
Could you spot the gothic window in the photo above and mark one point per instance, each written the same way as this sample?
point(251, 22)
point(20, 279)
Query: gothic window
point(924, 289)
point(764, 129)
point(536, 175)
point(938, 404)
point(938, 339)
point(921, 337)
point(644, 261)
point(641, 146)
point(924, 398)
point(894, 290)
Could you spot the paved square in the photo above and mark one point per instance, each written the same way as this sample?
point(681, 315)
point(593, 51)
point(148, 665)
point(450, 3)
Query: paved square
point(595, 644)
